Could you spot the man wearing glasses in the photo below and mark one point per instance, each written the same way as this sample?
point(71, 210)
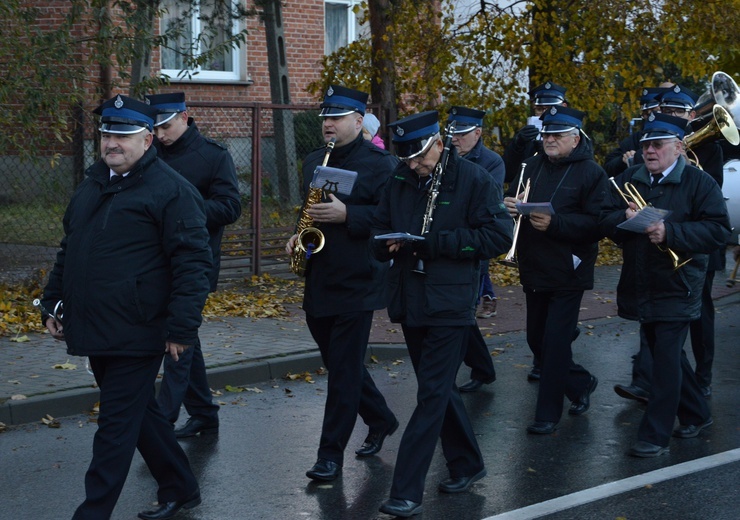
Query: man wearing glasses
point(557, 249)
point(665, 299)
point(678, 101)
point(436, 307)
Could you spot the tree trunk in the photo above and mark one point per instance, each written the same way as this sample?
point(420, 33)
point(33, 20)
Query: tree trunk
point(383, 83)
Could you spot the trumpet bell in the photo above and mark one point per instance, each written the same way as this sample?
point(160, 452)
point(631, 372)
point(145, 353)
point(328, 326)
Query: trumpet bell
point(720, 125)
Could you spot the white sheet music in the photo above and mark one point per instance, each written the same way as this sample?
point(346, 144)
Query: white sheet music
point(644, 218)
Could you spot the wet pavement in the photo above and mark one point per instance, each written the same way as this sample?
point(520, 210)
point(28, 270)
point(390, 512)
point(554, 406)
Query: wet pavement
point(255, 468)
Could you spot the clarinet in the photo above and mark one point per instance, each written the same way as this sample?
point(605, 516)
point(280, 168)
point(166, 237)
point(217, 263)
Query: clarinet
point(436, 182)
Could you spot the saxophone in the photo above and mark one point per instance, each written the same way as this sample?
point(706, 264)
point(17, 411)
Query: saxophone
point(310, 238)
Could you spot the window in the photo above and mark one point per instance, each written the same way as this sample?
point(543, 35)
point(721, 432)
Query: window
point(341, 24)
point(195, 29)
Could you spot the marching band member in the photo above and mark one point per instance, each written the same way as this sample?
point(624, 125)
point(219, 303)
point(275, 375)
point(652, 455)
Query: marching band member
point(664, 298)
point(557, 249)
point(436, 306)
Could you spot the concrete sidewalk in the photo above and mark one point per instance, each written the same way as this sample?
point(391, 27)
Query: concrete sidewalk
point(243, 351)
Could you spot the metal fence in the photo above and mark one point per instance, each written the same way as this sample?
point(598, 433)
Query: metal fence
point(266, 141)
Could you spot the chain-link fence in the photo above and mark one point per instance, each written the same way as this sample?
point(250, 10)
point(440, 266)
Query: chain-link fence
point(275, 138)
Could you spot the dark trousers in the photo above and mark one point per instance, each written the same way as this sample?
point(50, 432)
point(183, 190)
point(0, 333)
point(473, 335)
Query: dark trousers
point(478, 358)
point(185, 382)
point(436, 353)
point(674, 391)
point(351, 390)
point(129, 419)
point(702, 344)
point(701, 332)
point(552, 317)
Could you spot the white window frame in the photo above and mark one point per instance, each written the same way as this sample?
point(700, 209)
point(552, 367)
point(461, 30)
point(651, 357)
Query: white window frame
point(353, 30)
point(238, 57)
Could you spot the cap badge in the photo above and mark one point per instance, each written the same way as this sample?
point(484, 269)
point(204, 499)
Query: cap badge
point(330, 92)
point(644, 92)
point(677, 89)
point(400, 131)
point(553, 111)
point(148, 101)
point(118, 103)
point(651, 117)
point(454, 111)
point(548, 85)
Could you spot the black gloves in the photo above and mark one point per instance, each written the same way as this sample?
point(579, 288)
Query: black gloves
point(526, 134)
point(427, 249)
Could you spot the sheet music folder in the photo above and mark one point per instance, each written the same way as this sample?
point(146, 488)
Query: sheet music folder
point(333, 180)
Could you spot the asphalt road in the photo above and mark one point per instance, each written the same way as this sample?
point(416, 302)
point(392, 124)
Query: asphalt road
point(255, 468)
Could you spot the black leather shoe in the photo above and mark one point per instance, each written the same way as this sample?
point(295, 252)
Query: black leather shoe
point(170, 509)
point(582, 404)
point(534, 374)
point(688, 431)
point(632, 392)
point(645, 449)
point(324, 470)
point(471, 386)
point(542, 427)
point(400, 507)
point(196, 426)
point(460, 484)
point(374, 440)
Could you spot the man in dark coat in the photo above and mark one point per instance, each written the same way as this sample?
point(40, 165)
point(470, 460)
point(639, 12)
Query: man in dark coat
point(526, 142)
point(209, 167)
point(436, 306)
point(466, 138)
point(344, 284)
point(652, 288)
point(678, 101)
point(556, 251)
point(132, 272)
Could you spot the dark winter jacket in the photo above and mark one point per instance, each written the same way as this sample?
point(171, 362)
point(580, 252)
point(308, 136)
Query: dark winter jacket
point(209, 167)
point(563, 256)
point(133, 266)
point(650, 289)
point(470, 224)
point(614, 165)
point(344, 277)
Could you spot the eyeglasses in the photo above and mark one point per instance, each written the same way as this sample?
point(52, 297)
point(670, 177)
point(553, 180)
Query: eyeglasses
point(418, 158)
point(656, 144)
point(557, 137)
point(672, 111)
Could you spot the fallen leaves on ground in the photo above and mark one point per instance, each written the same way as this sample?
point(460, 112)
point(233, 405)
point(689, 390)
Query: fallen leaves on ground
point(51, 422)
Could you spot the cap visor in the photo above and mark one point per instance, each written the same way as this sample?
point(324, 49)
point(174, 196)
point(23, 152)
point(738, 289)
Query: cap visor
point(557, 129)
point(165, 117)
point(336, 112)
point(121, 128)
point(463, 129)
point(414, 148)
point(658, 134)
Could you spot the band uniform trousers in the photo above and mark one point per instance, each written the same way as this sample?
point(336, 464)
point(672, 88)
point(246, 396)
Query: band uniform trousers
point(130, 418)
point(436, 354)
point(342, 340)
point(674, 391)
point(701, 332)
point(185, 382)
point(552, 316)
point(478, 358)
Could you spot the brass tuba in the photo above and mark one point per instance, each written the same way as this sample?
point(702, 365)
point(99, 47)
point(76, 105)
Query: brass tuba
point(719, 119)
point(310, 238)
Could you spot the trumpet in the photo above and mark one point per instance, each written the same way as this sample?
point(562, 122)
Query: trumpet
point(510, 259)
point(630, 194)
